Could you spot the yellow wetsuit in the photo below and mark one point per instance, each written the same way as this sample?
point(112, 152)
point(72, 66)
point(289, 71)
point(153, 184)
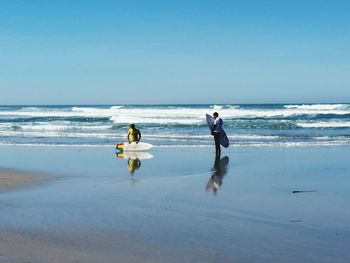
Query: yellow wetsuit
point(133, 164)
point(134, 135)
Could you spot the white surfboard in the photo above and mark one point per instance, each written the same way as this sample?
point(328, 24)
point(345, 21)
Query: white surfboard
point(223, 140)
point(134, 155)
point(141, 146)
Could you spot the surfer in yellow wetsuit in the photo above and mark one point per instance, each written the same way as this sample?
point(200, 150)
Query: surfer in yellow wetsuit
point(134, 134)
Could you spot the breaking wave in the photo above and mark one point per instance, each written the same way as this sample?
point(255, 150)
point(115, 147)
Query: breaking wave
point(246, 125)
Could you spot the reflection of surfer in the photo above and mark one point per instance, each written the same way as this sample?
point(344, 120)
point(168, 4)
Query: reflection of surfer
point(219, 171)
point(134, 159)
point(134, 164)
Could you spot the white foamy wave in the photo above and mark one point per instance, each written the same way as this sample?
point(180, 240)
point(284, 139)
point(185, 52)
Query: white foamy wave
point(7, 126)
point(183, 146)
point(96, 112)
point(218, 107)
point(235, 145)
point(57, 145)
point(155, 120)
point(92, 112)
point(60, 126)
point(175, 136)
point(292, 144)
point(221, 107)
point(35, 109)
point(253, 137)
point(161, 116)
point(318, 106)
point(51, 113)
point(208, 136)
point(197, 115)
point(117, 107)
point(263, 144)
point(276, 113)
point(176, 115)
point(59, 134)
point(324, 124)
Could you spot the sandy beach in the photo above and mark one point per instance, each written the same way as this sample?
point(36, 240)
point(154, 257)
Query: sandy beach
point(267, 81)
point(12, 179)
point(23, 247)
point(183, 205)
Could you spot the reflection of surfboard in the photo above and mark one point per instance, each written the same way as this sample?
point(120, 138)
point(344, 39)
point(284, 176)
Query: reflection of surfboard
point(134, 155)
point(223, 140)
point(223, 164)
point(141, 146)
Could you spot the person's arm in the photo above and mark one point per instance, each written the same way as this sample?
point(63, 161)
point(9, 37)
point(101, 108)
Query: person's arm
point(139, 137)
point(128, 136)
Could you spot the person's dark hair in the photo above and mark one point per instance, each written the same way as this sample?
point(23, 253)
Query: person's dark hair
point(215, 114)
point(132, 126)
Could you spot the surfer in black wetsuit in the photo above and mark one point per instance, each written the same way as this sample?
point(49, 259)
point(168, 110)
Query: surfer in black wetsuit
point(216, 131)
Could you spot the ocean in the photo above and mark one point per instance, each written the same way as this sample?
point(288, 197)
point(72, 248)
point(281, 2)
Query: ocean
point(176, 125)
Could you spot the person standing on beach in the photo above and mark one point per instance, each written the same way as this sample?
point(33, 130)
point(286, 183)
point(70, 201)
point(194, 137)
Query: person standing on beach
point(134, 134)
point(216, 131)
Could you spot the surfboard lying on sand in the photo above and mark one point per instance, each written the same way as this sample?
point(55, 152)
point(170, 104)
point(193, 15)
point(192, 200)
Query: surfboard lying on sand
point(223, 140)
point(134, 155)
point(141, 146)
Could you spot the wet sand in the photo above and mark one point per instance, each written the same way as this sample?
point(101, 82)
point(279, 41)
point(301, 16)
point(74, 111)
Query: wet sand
point(86, 246)
point(18, 247)
point(183, 205)
point(11, 179)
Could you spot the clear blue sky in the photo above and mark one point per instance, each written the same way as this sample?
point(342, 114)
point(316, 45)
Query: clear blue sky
point(116, 52)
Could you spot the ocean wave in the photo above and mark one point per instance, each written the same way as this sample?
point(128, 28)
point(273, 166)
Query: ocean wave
point(233, 145)
point(51, 113)
point(58, 134)
point(176, 115)
point(87, 112)
point(40, 109)
point(56, 145)
point(315, 107)
point(324, 124)
point(117, 107)
point(208, 136)
point(96, 112)
point(34, 120)
point(176, 124)
point(155, 120)
point(42, 127)
point(221, 107)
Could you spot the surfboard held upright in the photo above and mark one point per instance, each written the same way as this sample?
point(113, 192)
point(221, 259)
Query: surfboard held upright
point(223, 140)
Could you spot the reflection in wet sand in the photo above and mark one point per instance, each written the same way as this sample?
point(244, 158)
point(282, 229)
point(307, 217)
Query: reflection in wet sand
point(219, 171)
point(134, 161)
point(133, 164)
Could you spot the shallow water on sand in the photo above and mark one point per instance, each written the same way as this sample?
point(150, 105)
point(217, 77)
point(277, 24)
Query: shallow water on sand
point(188, 204)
